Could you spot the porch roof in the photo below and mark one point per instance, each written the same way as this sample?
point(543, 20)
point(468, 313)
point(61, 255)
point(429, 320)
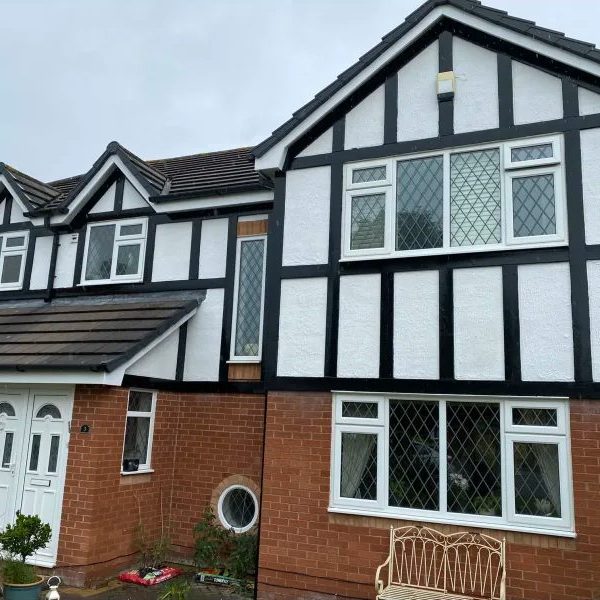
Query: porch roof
point(98, 334)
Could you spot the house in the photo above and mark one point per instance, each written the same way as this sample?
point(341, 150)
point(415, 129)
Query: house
point(388, 312)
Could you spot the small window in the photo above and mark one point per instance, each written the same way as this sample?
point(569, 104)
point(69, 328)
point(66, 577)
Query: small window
point(34, 453)
point(115, 251)
point(7, 409)
point(238, 508)
point(48, 410)
point(53, 457)
point(369, 175)
point(249, 298)
point(544, 151)
point(13, 249)
point(367, 221)
point(139, 429)
point(7, 450)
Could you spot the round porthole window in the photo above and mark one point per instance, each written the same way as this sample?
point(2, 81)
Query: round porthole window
point(238, 508)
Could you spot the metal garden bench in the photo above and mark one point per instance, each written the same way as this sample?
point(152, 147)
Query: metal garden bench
point(425, 564)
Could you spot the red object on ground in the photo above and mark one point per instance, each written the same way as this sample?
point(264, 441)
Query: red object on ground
point(152, 578)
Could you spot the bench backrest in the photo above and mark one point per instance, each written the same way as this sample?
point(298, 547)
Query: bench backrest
point(460, 563)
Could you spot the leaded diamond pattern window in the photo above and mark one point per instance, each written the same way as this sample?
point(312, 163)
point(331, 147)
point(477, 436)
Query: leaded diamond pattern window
point(414, 455)
point(369, 174)
point(536, 417)
point(473, 458)
point(249, 297)
point(534, 211)
point(139, 427)
point(367, 222)
point(475, 200)
point(446, 459)
point(238, 508)
point(359, 466)
point(100, 251)
point(536, 152)
point(537, 479)
point(360, 410)
point(420, 204)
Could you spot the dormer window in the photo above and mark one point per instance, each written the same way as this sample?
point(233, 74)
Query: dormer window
point(13, 248)
point(114, 251)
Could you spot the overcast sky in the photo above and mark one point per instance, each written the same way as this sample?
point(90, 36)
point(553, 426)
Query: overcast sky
point(173, 77)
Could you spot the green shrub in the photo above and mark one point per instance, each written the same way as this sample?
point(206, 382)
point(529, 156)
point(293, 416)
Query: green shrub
point(213, 543)
point(15, 571)
point(242, 560)
point(25, 537)
point(176, 590)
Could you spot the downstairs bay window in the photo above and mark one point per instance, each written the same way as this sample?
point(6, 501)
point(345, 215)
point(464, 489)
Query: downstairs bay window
point(491, 197)
point(500, 463)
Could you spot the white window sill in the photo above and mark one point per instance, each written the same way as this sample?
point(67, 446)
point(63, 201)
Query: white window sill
point(109, 282)
point(138, 472)
point(498, 526)
point(452, 251)
point(243, 361)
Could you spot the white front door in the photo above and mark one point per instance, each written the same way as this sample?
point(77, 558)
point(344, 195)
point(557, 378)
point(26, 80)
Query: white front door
point(13, 414)
point(38, 460)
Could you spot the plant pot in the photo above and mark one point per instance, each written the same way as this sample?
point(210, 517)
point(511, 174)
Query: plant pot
point(22, 591)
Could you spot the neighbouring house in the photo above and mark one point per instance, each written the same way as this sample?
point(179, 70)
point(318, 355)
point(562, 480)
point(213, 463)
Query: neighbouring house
point(386, 313)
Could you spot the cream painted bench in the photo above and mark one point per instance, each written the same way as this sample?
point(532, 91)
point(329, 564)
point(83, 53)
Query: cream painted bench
point(425, 564)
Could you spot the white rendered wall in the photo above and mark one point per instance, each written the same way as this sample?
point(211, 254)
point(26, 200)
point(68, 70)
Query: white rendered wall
point(476, 98)
point(203, 345)
point(322, 145)
point(106, 202)
point(416, 325)
point(359, 326)
point(545, 322)
point(589, 102)
point(537, 96)
point(65, 260)
point(364, 123)
point(306, 222)
point(160, 362)
point(16, 213)
point(478, 324)
point(590, 176)
point(213, 248)
point(172, 248)
point(132, 198)
point(41, 263)
point(593, 272)
point(418, 114)
point(302, 327)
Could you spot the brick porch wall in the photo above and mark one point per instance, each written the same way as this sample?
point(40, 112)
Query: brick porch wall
point(199, 441)
point(307, 552)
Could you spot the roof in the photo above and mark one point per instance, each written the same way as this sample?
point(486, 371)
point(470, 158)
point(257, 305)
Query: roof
point(215, 173)
point(98, 334)
point(474, 7)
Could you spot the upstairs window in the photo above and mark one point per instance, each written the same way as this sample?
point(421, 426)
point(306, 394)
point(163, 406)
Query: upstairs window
point(249, 298)
point(115, 251)
point(490, 197)
point(13, 248)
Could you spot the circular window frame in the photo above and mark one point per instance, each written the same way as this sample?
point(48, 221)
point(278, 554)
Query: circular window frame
point(222, 518)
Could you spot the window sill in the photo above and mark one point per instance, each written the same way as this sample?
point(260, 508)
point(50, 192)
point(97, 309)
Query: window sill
point(243, 361)
point(138, 472)
point(453, 251)
point(459, 522)
point(109, 282)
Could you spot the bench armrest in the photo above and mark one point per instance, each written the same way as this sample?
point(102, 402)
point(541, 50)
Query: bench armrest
point(378, 580)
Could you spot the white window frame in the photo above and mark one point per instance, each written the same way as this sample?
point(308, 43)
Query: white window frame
point(508, 170)
point(147, 466)
point(14, 251)
point(508, 434)
point(222, 518)
point(238, 254)
point(120, 240)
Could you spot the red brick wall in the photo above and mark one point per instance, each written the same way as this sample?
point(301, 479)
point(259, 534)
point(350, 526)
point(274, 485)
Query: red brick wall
point(304, 549)
point(199, 440)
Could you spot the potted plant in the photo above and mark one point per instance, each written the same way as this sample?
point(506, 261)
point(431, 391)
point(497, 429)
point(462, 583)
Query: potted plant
point(19, 541)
